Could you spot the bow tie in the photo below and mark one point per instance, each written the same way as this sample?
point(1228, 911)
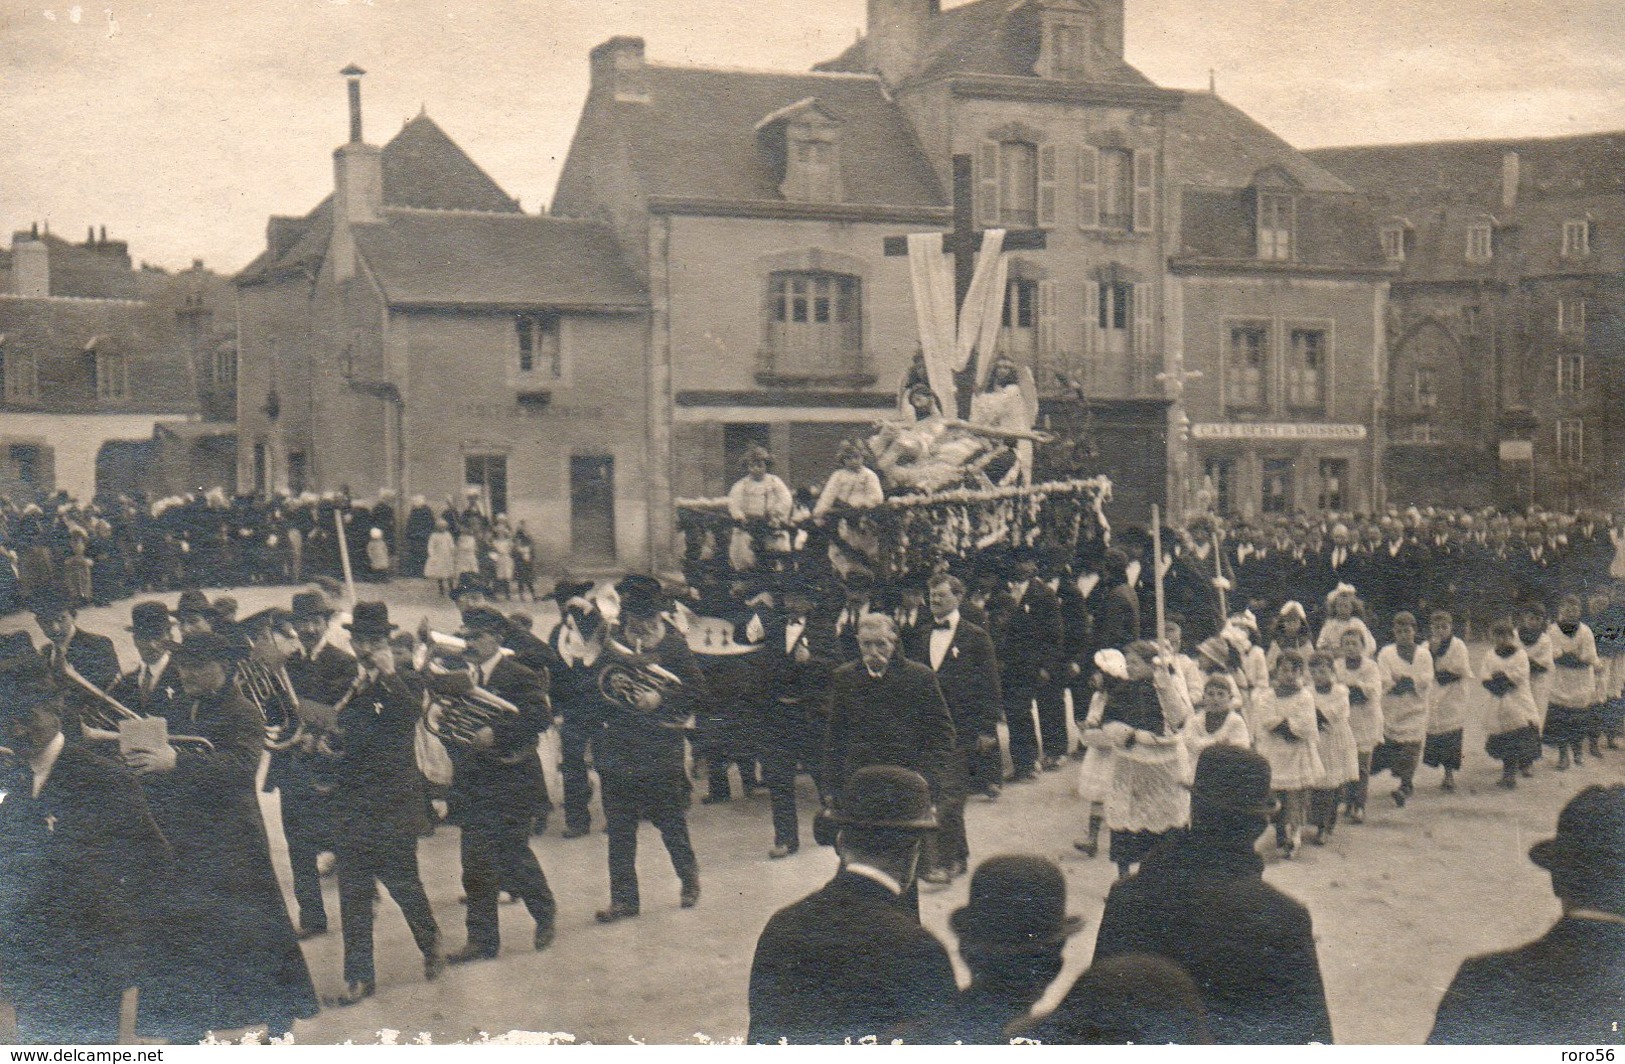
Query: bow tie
point(942, 625)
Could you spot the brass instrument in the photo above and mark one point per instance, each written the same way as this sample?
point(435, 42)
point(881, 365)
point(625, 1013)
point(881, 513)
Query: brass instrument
point(458, 709)
point(100, 714)
point(270, 690)
point(625, 676)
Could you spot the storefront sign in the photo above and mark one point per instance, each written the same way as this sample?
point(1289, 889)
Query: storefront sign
point(1242, 430)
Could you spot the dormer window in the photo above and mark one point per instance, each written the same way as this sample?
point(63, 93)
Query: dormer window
point(1277, 213)
point(112, 371)
point(1576, 238)
point(1398, 238)
point(804, 141)
point(1065, 31)
point(1480, 243)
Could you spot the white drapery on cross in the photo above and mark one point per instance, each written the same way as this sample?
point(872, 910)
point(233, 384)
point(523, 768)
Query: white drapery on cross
point(948, 339)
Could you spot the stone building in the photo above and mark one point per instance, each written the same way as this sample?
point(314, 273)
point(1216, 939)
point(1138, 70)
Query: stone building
point(112, 378)
point(417, 332)
point(757, 205)
point(1277, 289)
point(1506, 317)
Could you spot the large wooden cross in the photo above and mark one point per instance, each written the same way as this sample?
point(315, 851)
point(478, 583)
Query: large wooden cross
point(963, 242)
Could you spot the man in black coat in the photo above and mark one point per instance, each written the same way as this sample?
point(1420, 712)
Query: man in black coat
point(320, 672)
point(961, 655)
point(1028, 636)
point(90, 655)
point(153, 687)
point(238, 959)
point(1200, 900)
point(1568, 986)
point(649, 689)
point(576, 641)
point(851, 961)
point(80, 857)
point(885, 710)
point(378, 803)
point(497, 788)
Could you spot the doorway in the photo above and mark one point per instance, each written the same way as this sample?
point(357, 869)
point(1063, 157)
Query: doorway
point(488, 475)
point(592, 507)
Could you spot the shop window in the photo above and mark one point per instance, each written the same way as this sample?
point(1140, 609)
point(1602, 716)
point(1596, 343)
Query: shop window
point(1334, 483)
point(1277, 486)
point(1220, 474)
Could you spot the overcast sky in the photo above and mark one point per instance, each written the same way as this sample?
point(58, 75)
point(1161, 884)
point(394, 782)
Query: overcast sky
point(182, 124)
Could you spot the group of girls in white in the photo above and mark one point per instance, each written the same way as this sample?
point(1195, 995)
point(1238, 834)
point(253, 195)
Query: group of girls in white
point(1331, 711)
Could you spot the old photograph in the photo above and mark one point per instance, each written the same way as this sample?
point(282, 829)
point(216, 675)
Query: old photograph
point(703, 522)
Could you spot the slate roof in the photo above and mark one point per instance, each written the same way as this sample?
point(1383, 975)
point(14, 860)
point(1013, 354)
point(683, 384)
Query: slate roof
point(422, 167)
point(696, 137)
point(1334, 230)
point(440, 259)
point(985, 37)
point(56, 330)
point(1213, 143)
point(1470, 171)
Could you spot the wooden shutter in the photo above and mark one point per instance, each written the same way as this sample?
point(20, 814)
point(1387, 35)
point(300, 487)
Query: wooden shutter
point(1047, 181)
point(1089, 188)
point(1046, 321)
point(1145, 191)
point(1091, 318)
point(987, 184)
point(1145, 319)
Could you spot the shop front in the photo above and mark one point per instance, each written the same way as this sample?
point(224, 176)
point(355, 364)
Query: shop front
point(1265, 469)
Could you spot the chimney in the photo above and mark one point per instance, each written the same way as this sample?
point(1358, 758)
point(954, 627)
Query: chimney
point(618, 68)
point(104, 234)
point(90, 238)
point(358, 184)
point(30, 268)
point(896, 32)
point(1111, 32)
point(1511, 175)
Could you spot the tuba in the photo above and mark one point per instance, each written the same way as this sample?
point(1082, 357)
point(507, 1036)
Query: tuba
point(100, 714)
point(458, 709)
point(268, 689)
point(625, 675)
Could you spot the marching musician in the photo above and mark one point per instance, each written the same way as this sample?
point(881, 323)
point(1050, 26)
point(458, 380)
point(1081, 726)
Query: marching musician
point(79, 855)
point(497, 789)
point(320, 672)
point(639, 749)
point(237, 959)
point(1028, 634)
point(89, 654)
point(576, 641)
point(195, 613)
point(378, 804)
point(153, 685)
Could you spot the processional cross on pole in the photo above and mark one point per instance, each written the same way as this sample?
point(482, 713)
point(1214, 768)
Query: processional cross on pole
point(963, 242)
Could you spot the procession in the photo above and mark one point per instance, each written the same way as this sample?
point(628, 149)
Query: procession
point(1052, 557)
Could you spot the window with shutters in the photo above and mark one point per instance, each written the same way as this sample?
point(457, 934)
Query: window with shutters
point(815, 323)
point(1571, 315)
point(112, 376)
point(541, 348)
point(1017, 182)
point(1114, 317)
point(1276, 217)
point(1571, 373)
point(1571, 441)
point(1246, 367)
point(1064, 54)
point(1576, 239)
point(1306, 370)
point(1018, 331)
point(1116, 189)
point(19, 376)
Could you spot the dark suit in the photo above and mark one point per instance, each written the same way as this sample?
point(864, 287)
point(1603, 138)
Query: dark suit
point(1565, 988)
point(641, 775)
point(1028, 637)
point(968, 677)
point(157, 698)
point(93, 657)
point(898, 718)
point(790, 721)
point(305, 785)
point(1249, 948)
point(574, 687)
point(495, 794)
point(849, 961)
point(378, 807)
point(79, 863)
point(240, 962)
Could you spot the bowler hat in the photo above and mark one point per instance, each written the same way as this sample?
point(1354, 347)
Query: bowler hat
point(640, 595)
point(568, 588)
point(370, 619)
point(195, 603)
point(481, 620)
point(311, 605)
point(274, 617)
point(886, 797)
point(1015, 900)
point(1230, 779)
point(202, 648)
point(1590, 835)
point(149, 620)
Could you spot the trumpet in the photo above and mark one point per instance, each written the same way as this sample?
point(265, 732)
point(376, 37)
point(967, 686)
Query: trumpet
point(100, 714)
point(270, 690)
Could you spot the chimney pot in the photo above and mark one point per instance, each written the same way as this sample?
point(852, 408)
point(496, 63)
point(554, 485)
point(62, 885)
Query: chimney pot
point(104, 234)
point(895, 35)
point(90, 237)
point(352, 75)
